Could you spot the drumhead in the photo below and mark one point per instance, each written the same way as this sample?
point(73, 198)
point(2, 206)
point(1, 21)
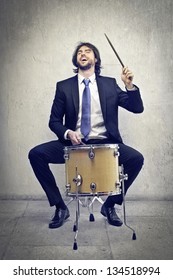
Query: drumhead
point(91, 146)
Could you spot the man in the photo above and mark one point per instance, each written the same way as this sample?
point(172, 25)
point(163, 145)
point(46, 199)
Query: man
point(67, 122)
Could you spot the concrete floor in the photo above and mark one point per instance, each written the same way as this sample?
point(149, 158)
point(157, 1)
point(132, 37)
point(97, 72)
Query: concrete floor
point(24, 233)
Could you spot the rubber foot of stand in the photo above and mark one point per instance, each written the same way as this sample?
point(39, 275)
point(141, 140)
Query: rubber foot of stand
point(75, 246)
point(91, 218)
point(134, 236)
point(74, 228)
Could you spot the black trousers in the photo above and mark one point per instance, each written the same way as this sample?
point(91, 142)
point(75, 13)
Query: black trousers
point(53, 152)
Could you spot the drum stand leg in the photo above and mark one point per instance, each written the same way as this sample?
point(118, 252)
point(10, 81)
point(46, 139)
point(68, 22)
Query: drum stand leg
point(77, 181)
point(90, 209)
point(76, 225)
point(72, 199)
point(124, 177)
point(98, 199)
point(90, 206)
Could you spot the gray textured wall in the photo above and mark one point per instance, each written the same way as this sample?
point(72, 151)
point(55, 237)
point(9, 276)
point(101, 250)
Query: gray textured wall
point(36, 44)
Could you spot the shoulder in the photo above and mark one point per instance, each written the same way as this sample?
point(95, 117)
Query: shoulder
point(67, 81)
point(105, 79)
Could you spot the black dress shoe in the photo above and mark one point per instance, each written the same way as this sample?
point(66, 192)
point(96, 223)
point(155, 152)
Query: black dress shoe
point(111, 215)
point(60, 216)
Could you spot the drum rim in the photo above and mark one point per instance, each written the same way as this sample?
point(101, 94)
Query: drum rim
point(98, 194)
point(89, 146)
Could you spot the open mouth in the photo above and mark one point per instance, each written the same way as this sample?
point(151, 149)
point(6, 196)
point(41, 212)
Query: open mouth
point(83, 59)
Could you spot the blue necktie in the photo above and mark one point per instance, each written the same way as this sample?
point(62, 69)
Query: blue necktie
point(86, 110)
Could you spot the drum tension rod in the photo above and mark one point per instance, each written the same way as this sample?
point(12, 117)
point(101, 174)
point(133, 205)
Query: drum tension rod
point(91, 153)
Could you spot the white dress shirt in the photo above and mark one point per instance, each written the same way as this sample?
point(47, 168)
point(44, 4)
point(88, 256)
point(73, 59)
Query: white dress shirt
point(98, 130)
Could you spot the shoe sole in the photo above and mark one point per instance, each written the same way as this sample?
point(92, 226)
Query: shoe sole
point(115, 225)
point(67, 216)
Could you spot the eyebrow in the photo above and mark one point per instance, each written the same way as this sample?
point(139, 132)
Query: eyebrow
point(88, 49)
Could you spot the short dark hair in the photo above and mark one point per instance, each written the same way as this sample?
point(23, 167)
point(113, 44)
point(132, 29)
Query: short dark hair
point(96, 54)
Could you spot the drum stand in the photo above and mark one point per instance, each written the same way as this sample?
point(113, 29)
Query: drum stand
point(90, 201)
point(122, 178)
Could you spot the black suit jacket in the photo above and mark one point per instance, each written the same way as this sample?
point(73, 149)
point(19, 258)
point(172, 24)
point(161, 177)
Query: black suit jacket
point(65, 108)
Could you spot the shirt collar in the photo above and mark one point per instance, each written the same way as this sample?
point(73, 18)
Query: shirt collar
point(91, 78)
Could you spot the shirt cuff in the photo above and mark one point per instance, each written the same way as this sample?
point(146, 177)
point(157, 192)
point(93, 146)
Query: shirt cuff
point(66, 134)
point(131, 89)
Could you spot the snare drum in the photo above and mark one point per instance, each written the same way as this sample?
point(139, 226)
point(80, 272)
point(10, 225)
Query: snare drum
point(92, 170)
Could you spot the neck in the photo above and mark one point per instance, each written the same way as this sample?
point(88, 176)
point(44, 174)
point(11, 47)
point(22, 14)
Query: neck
point(86, 73)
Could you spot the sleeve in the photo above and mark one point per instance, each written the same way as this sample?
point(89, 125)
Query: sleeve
point(130, 99)
point(57, 113)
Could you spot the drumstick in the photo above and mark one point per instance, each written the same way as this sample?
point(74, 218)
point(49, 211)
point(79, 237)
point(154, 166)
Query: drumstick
point(122, 64)
point(114, 51)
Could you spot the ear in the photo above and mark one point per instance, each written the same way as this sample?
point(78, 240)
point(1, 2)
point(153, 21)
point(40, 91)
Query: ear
point(95, 60)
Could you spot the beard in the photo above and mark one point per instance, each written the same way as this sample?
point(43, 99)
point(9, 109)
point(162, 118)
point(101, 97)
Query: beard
point(85, 67)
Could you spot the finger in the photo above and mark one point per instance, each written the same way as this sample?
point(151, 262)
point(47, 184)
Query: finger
point(130, 75)
point(75, 142)
point(77, 139)
point(125, 70)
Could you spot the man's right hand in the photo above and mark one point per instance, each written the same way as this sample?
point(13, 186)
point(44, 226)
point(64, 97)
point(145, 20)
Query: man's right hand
point(74, 137)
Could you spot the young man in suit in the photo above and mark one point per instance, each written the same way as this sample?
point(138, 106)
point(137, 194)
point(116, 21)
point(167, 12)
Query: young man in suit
point(66, 121)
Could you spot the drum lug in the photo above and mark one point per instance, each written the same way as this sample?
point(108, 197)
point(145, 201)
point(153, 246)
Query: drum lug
point(116, 154)
point(118, 187)
point(78, 180)
point(66, 153)
point(68, 187)
point(93, 187)
point(91, 153)
point(123, 176)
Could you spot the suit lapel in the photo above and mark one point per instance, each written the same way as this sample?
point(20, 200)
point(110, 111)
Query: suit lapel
point(102, 91)
point(75, 94)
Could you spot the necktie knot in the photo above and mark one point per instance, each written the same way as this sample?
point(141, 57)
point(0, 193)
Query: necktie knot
point(86, 82)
